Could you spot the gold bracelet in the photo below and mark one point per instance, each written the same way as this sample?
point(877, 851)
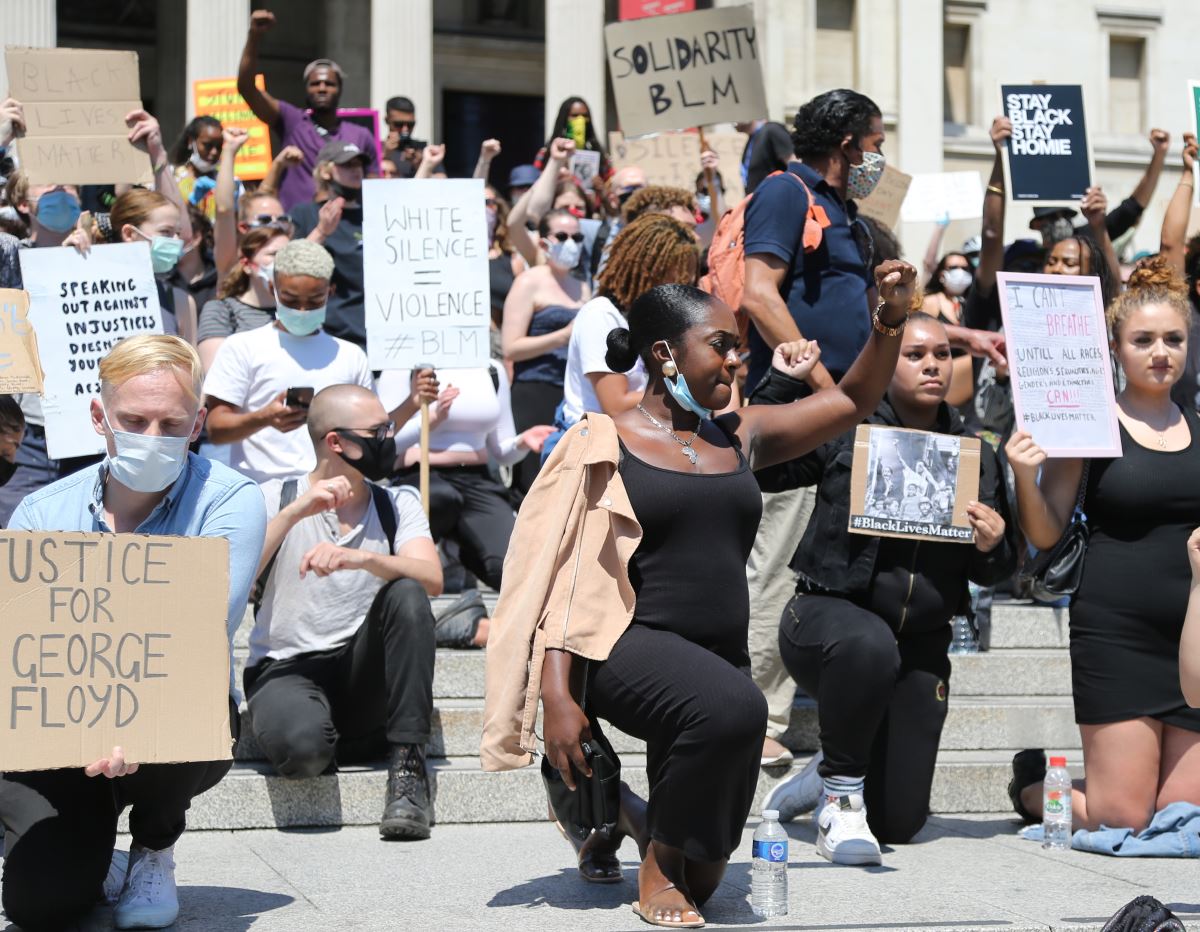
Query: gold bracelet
point(881, 327)
point(992, 189)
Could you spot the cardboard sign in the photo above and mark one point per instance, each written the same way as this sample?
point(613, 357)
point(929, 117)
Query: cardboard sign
point(425, 270)
point(913, 484)
point(1194, 110)
point(82, 306)
point(1059, 362)
point(692, 69)
point(113, 639)
point(638, 9)
point(943, 195)
point(20, 365)
point(219, 97)
point(1047, 160)
point(888, 197)
point(674, 158)
point(75, 103)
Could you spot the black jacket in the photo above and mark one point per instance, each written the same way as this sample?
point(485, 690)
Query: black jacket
point(913, 585)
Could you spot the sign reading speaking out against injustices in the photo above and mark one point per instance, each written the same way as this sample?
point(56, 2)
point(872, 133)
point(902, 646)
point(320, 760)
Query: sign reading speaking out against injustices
point(425, 269)
point(219, 97)
point(1194, 110)
point(943, 195)
point(20, 364)
point(1047, 159)
point(691, 69)
point(1059, 362)
point(82, 306)
point(112, 639)
point(886, 200)
point(75, 103)
point(674, 158)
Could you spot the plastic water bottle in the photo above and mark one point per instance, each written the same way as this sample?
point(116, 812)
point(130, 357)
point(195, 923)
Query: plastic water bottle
point(768, 871)
point(1056, 806)
point(964, 640)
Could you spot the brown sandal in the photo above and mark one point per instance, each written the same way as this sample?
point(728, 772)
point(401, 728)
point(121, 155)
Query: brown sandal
point(647, 914)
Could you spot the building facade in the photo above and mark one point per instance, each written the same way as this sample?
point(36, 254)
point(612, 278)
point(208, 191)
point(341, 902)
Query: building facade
point(479, 68)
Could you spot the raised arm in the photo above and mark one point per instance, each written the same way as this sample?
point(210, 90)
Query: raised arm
point(537, 201)
point(431, 158)
point(146, 134)
point(264, 106)
point(488, 150)
point(1045, 503)
point(225, 232)
point(991, 234)
point(1179, 208)
point(933, 251)
point(1161, 141)
point(778, 433)
point(1094, 207)
point(288, 157)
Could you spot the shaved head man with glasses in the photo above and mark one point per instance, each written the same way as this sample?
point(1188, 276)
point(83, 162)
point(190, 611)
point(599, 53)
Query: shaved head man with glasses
point(341, 656)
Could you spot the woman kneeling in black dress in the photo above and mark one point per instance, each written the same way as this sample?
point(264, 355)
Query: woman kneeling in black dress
point(674, 493)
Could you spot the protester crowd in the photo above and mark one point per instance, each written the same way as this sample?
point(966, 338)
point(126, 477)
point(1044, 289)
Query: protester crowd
point(674, 458)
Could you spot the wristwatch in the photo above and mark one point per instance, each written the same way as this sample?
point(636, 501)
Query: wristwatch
point(883, 328)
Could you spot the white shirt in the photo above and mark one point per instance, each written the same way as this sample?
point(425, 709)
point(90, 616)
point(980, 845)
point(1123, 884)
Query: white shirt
point(480, 417)
point(251, 369)
point(585, 354)
point(314, 613)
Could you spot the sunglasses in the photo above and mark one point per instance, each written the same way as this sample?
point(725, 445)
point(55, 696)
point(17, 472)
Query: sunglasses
point(489, 202)
point(563, 237)
point(380, 432)
point(281, 223)
point(403, 124)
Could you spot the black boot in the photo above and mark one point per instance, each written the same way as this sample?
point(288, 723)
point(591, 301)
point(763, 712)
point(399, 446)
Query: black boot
point(408, 806)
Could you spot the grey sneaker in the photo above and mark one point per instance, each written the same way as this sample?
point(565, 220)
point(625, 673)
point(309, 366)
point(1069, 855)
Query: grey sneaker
point(798, 793)
point(114, 883)
point(149, 900)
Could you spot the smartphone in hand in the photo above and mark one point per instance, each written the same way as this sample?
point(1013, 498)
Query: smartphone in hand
point(299, 397)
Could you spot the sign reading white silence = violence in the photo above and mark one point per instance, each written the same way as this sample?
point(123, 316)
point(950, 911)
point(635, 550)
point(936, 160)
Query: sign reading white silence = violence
point(1047, 158)
point(82, 306)
point(689, 69)
point(112, 639)
point(1059, 363)
point(425, 271)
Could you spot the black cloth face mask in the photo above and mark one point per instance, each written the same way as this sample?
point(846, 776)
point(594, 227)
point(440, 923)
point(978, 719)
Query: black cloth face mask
point(378, 455)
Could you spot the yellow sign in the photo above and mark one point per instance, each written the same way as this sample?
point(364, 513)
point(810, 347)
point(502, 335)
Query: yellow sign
point(219, 97)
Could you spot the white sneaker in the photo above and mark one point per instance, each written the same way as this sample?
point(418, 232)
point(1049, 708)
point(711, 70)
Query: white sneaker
point(843, 836)
point(148, 900)
point(798, 793)
point(114, 883)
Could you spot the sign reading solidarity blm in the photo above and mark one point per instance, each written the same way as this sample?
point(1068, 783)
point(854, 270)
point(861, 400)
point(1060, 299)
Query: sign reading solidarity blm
point(112, 639)
point(75, 103)
point(1047, 158)
point(20, 363)
point(82, 306)
point(1059, 362)
point(690, 69)
point(425, 268)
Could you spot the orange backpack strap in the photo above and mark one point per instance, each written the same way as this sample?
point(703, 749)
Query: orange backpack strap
point(815, 221)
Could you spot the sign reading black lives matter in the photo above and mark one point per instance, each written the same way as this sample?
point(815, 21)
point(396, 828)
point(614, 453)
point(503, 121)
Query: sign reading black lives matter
point(913, 484)
point(112, 639)
point(82, 306)
point(425, 272)
point(684, 70)
point(1047, 159)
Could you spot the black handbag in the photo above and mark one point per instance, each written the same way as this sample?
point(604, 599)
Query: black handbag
point(595, 803)
point(1055, 573)
point(1145, 914)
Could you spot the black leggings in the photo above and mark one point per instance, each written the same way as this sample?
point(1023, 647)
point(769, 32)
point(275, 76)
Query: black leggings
point(61, 826)
point(881, 703)
point(703, 721)
point(533, 403)
point(354, 700)
point(471, 508)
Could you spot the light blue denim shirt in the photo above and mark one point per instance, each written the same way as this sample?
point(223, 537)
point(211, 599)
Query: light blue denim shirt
point(207, 500)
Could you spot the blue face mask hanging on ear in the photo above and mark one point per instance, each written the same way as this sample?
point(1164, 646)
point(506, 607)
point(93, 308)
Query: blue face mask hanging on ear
point(678, 387)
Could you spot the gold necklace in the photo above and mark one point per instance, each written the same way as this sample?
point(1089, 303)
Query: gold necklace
point(688, 451)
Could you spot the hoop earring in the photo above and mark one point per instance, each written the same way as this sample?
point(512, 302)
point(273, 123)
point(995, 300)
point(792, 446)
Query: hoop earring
point(669, 370)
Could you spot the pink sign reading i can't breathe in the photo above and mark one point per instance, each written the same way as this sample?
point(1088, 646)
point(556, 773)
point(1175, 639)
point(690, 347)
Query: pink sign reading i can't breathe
point(1059, 363)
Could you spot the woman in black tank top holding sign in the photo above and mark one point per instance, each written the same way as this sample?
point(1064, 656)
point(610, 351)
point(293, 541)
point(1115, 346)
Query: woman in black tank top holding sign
point(678, 677)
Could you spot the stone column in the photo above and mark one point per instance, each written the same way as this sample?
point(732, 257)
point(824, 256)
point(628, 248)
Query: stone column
point(919, 76)
point(402, 60)
point(216, 32)
point(349, 44)
point(575, 59)
point(31, 23)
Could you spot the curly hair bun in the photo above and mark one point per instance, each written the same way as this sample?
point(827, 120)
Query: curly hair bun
point(621, 355)
point(1156, 272)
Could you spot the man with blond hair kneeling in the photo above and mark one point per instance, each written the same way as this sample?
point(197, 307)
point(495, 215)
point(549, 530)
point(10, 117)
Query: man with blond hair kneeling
point(61, 824)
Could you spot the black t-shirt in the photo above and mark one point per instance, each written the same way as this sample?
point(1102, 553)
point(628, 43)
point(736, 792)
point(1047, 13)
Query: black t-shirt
point(768, 150)
point(344, 314)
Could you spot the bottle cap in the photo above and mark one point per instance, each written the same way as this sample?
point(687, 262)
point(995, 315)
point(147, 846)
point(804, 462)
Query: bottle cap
point(770, 815)
point(1054, 762)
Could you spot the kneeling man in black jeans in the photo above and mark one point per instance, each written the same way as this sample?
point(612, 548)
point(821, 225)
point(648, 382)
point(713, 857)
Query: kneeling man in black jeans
point(341, 657)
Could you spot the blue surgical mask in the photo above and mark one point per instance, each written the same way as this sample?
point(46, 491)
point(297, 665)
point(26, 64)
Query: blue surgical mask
point(266, 273)
point(864, 176)
point(58, 210)
point(164, 252)
point(299, 323)
point(146, 463)
point(678, 387)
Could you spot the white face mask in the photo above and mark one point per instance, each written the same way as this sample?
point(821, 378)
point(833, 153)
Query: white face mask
point(146, 463)
point(201, 165)
point(564, 255)
point(956, 281)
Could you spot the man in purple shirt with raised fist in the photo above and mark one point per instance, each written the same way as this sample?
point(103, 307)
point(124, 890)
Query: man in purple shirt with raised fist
point(309, 129)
